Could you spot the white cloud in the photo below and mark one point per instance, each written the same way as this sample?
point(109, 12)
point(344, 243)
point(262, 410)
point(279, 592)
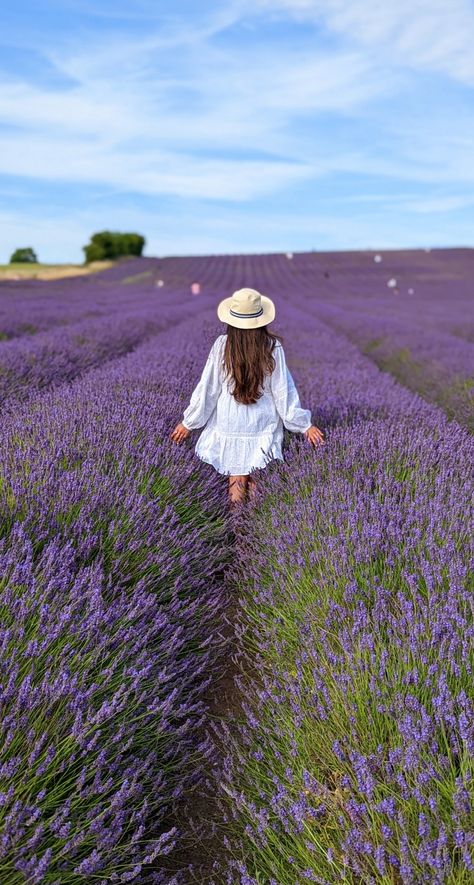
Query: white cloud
point(125, 122)
point(149, 172)
point(186, 110)
point(128, 130)
point(433, 34)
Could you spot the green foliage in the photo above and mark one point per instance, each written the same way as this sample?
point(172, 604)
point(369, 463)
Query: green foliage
point(24, 256)
point(112, 244)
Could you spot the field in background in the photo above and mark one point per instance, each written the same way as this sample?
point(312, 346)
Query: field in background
point(21, 270)
point(341, 600)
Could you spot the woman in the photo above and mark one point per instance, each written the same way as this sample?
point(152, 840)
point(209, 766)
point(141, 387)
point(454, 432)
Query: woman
point(245, 396)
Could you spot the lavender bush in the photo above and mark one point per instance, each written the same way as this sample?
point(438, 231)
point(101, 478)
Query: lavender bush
point(112, 556)
point(59, 355)
point(351, 759)
point(435, 364)
point(29, 306)
point(418, 328)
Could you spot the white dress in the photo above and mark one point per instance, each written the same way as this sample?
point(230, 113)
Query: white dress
point(238, 438)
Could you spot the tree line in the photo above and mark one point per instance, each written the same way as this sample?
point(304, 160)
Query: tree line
point(104, 245)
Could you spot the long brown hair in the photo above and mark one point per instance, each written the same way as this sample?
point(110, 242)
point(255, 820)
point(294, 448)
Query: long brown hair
point(247, 359)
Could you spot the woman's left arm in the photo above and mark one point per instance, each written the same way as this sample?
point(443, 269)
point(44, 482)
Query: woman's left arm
point(286, 397)
point(206, 393)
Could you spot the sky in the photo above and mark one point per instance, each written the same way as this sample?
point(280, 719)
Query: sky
point(242, 126)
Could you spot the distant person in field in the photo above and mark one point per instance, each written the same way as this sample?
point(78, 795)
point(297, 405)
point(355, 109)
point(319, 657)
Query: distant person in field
point(245, 396)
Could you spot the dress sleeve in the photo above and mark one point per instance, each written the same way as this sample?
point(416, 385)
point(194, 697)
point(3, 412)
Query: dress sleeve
point(286, 397)
point(206, 393)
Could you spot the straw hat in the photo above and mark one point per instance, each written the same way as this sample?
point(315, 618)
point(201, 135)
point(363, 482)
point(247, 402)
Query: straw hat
point(246, 309)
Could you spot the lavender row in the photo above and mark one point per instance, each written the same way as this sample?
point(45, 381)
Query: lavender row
point(58, 356)
point(31, 306)
point(113, 550)
point(428, 290)
point(417, 334)
point(436, 365)
point(352, 756)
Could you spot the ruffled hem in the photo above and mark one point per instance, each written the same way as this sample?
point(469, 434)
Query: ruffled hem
point(237, 456)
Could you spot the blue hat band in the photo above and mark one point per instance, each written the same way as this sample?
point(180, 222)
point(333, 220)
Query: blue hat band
point(245, 315)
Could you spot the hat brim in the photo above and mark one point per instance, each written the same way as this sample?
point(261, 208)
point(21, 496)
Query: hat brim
point(225, 316)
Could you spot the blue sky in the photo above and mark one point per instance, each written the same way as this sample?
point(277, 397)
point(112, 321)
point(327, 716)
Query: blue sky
point(236, 126)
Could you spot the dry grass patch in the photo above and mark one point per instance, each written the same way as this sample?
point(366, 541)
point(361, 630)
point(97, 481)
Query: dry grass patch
point(21, 270)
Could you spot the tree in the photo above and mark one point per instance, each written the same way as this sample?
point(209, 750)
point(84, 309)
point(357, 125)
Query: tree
point(108, 244)
point(26, 256)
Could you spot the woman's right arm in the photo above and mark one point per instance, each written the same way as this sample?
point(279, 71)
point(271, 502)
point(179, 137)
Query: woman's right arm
point(206, 393)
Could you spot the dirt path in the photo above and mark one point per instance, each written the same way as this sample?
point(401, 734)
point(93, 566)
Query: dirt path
point(196, 852)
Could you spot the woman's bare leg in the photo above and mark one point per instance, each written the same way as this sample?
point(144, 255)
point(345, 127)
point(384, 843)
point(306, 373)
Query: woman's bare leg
point(237, 488)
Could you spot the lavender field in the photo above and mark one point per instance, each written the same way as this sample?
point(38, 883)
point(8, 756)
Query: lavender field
point(335, 615)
